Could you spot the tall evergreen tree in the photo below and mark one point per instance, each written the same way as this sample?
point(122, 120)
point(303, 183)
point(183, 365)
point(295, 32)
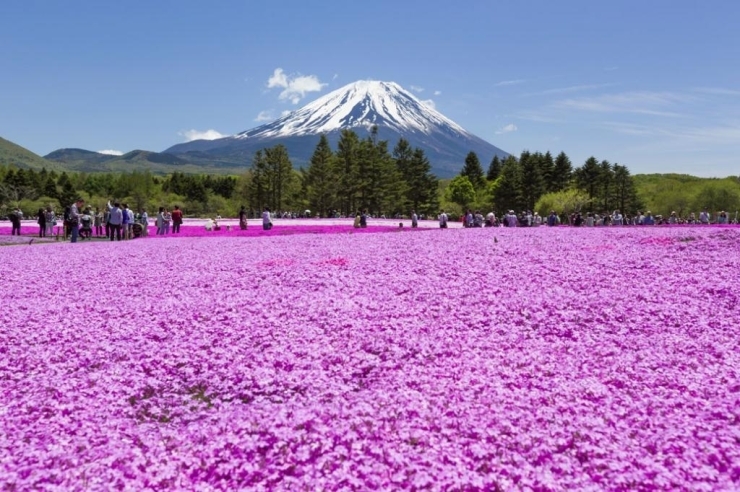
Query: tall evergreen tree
point(421, 185)
point(319, 178)
point(532, 184)
point(346, 169)
point(494, 169)
point(588, 177)
point(473, 170)
point(625, 192)
point(507, 194)
point(562, 173)
point(606, 179)
point(547, 170)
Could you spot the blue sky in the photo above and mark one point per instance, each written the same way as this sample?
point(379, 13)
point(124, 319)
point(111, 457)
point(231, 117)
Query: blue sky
point(651, 84)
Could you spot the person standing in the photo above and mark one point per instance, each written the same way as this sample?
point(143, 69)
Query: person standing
point(167, 216)
point(242, 218)
point(363, 219)
point(115, 221)
point(414, 219)
point(74, 219)
point(442, 217)
point(98, 222)
point(144, 219)
point(51, 221)
point(41, 220)
point(15, 222)
point(160, 221)
point(266, 220)
point(176, 219)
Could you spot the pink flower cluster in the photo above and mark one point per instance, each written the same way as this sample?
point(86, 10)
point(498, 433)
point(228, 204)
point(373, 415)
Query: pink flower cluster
point(538, 359)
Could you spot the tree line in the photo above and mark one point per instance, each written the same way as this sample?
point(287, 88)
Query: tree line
point(539, 182)
point(365, 174)
point(361, 174)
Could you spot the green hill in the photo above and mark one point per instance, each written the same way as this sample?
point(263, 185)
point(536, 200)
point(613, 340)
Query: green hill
point(15, 155)
point(81, 160)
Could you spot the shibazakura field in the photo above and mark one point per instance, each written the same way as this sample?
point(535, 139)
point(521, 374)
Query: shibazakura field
point(546, 359)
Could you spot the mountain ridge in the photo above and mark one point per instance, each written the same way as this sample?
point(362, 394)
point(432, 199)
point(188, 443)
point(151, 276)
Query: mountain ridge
point(357, 106)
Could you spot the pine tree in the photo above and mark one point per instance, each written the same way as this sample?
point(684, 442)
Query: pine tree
point(420, 184)
point(562, 174)
point(532, 184)
point(507, 194)
point(50, 188)
point(473, 171)
point(606, 179)
point(625, 192)
point(588, 177)
point(346, 165)
point(494, 169)
point(547, 170)
point(319, 179)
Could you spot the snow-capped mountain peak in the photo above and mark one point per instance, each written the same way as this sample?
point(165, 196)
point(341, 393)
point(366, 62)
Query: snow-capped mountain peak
point(360, 104)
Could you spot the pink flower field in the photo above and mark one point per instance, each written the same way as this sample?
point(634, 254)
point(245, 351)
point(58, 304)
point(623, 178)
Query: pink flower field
point(536, 359)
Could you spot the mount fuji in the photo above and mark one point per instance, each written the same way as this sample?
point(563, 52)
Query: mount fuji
point(357, 106)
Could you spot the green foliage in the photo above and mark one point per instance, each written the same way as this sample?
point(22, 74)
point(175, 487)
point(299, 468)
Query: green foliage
point(319, 182)
point(563, 202)
point(460, 191)
point(473, 171)
point(507, 190)
point(494, 169)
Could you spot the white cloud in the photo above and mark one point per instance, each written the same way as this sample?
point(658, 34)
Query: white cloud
point(573, 88)
point(110, 152)
point(648, 103)
point(430, 103)
point(437, 93)
point(336, 76)
point(285, 113)
point(718, 91)
point(191, 135)
point(510, 82)
point(295, 87)
point(264, 116)
point(416, 88)
point(511, 127)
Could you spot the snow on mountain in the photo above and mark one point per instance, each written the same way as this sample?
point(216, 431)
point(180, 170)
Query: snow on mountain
point(360, 104)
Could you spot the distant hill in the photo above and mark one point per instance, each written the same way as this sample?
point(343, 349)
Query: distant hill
point(140, 160)
point(14, 154)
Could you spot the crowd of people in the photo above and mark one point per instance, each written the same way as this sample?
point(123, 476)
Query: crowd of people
point(118, 221)
point(589, 219)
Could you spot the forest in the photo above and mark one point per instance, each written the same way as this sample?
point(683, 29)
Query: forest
point(367, 174)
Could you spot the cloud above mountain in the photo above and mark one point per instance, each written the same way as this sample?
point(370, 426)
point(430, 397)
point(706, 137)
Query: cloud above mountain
point(110, 152)
point(210, 134)
point(295, 86)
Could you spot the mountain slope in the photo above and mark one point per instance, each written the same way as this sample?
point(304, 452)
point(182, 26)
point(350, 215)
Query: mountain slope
point(14, 154)
point(140, 160)
point(359, 106)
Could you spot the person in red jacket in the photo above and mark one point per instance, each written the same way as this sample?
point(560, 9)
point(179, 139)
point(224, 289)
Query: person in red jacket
point(176, 219)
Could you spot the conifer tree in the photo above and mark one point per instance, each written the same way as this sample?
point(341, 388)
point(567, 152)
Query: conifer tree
point(562, 174)
point(473, 170)
point(319, 179)
point(494, 169)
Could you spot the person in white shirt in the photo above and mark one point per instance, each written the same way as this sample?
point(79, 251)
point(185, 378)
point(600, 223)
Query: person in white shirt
point(442, 217)
point(266, 220)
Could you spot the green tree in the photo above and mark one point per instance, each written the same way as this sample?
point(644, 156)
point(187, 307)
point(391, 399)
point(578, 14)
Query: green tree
point(532, 184)
point(346, 170)
point(625, 192)
point(717, 196)
point(460, 191)
point(473, 170)
point(494, 169)
point(507, 195)
point(420, 190)
point(319, 180)
point(563, 202)
point(562, 173)
point(588, 177)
